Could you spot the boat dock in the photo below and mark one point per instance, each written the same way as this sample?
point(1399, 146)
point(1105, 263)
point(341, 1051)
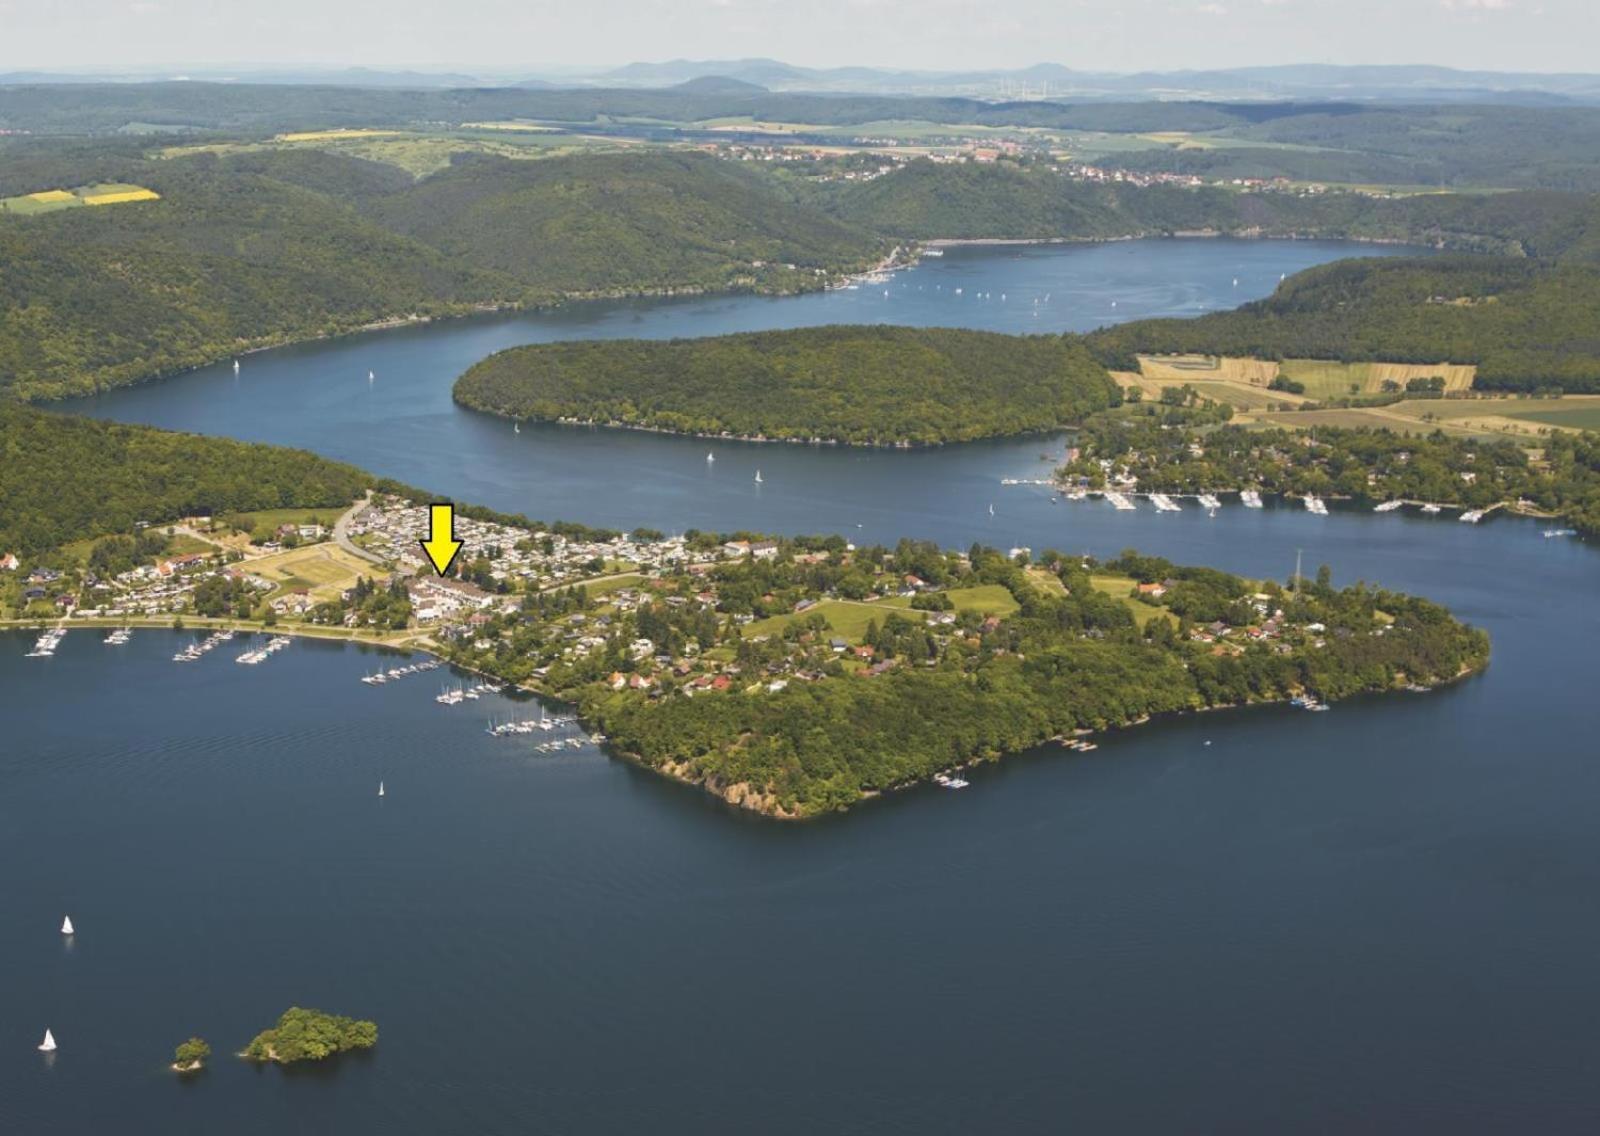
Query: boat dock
point(47, 643)
point(394, 674)
point(262, 654)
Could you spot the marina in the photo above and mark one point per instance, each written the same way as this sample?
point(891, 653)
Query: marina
point(47, 643)
point(195, 651)
point(262, 654)
point(394, 674)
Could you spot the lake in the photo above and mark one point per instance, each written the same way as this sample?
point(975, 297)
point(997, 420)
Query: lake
point(404, 424)
point(1376, 919)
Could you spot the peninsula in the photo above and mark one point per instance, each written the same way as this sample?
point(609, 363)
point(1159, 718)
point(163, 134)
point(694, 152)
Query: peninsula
point(790, 676)
point(867, 385)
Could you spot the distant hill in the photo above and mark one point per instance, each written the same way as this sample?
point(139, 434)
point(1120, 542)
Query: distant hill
point(719, 85)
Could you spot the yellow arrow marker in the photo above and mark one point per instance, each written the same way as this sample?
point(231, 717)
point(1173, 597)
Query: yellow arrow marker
point(441, 545)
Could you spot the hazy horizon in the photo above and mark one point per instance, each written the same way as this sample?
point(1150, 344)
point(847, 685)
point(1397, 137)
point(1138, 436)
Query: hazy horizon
point(503, 37)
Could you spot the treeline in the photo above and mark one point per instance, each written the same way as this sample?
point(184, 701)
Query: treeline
point(870, 385)
point(1527, 325)
point(271, 248)
point(1064, 662)
point(65, 478)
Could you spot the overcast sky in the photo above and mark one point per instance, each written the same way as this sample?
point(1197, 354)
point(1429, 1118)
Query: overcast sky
point(512, 35)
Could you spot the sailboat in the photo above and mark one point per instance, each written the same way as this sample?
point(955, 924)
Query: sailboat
point(236, 366)
point(48, 1045)
point(380, 788)
point(66, 926)
point(516, 427)
point(1235, 281)
point(371, 377)
point(711, 458)
point(991, 508)
point(758, 477)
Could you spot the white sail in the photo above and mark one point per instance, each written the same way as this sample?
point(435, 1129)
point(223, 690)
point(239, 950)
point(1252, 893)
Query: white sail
point(371, 376)
point(48, 1045)
point(66, 925)
point(758, 475)
point(711, 457)
point(380, 788)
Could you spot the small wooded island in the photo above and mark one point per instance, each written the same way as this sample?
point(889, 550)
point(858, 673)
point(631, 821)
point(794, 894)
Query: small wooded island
point(191, 1056)
point(857, 384)
point(310, 1035)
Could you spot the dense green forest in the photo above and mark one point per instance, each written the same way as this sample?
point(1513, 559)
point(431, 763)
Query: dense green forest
point(1063, 662)
point(273, 247)
point(1155, 445)
point(624, 223)
point(1528, 326)
point(65, 478)
point(854, 384)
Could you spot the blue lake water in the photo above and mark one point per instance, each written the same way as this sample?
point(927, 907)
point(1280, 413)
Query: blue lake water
point(1379, 919)
point(404, 424)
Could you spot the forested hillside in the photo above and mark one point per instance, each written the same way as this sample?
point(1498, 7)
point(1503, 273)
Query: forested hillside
point(1527, 326)
point(640, 222)
point(272, 247)
point(855, 384)
point(65, 478)
point(1031, 200)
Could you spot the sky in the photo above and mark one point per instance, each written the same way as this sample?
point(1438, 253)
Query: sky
point(540, 36)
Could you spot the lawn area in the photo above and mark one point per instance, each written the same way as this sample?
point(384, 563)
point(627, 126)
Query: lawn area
point(846, 619)
point(324, 569)
point(1121, 587)
point(1046, 581)
point(270, 519)
point(986, 599)
point(606, 587)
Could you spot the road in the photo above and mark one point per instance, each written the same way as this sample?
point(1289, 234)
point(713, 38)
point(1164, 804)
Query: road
point(341, 534)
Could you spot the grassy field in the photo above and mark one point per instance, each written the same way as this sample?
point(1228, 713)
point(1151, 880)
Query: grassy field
point(1121, 587)
point(102, 193)
point(1325, 378)
point(324, 569)
point(616, 584)
point(272, 518)
point(419, 153)
point(1046, 581)
point(1244, 382)
point(848, 619)
point(1519, 419)
point(334, 135)
point(986, 599)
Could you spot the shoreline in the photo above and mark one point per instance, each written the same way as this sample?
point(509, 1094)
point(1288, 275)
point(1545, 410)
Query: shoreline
point(740, 795)
point(758, 439)
point(907, 256)
point(748, 798)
